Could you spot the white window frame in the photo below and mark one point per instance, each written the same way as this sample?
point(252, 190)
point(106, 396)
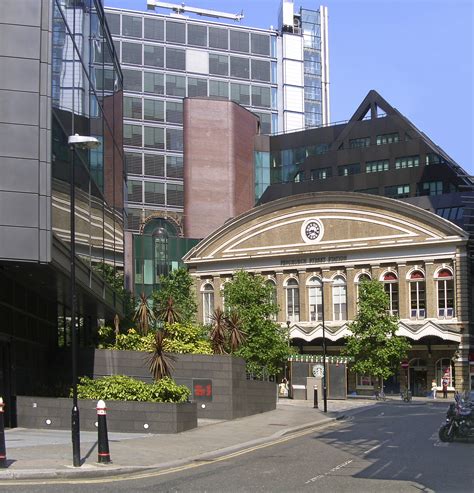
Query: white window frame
point(293, 295)
point(207, 303)
point(444, 311)
point(315, 298)
point(417, 313)
point(339, 298)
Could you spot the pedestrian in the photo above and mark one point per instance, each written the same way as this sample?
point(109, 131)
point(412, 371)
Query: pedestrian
point(445, 387)
point(434, 387)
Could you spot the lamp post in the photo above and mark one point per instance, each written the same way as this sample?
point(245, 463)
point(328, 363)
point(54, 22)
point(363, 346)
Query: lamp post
point(75, 142)
point(325, 394)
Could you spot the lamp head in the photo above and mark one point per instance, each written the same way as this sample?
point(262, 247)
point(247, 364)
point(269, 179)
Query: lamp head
point(83, 141)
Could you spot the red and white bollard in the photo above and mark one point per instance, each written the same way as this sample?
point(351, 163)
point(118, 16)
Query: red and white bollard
point(3, 450)
point(103, 439)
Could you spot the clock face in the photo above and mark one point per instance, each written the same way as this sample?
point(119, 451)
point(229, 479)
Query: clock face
point(312, 230)
point(318, 370)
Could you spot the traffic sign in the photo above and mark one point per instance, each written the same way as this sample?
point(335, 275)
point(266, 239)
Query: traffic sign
point(404, 364)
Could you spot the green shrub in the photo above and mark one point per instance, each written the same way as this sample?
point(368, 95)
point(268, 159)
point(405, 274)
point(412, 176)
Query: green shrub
point(105, 337)
point(186, 338)
point(133, 341)
point(123, 388)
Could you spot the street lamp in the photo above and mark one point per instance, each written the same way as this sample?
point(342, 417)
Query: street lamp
point(325, 393)
point(75, 142)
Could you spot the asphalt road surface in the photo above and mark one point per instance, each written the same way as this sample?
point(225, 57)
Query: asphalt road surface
point(391, 447)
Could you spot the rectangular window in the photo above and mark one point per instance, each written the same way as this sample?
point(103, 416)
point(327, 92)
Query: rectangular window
point(174, 112)
point(218, 64)
point(154, 193)
point(175, 59)
point(132, 53)
point(376, 166)
point(154, 137)
point(104, 79)
point(131, 26)
point(132, 135)
point(407, 162)
point(219, 88)
point(397, 191)
point(239, 67)
point(132, 108)
point(175, 32)
point(154, 110)
point(348, 169)
point(434, 159)
point(134, 191)
point(366, 381)
point(174, 139)
point(387, 138)
point(239, 41)
point(261, 70)
point(321, 173)
point(265, 122)
point(174, 166)
point(240, 93)
point(174, 194)
point(430, 188)
point(218, 38)
point(154, 29)
point(197, 87)
point(133, 161)
point(359, 143)
point(176, 85)
point(260, 44)
point(132, 80)
point(113, 21)
point(153, 83)
point(154, 165)
point(197, 35)
point(154, 55)
point(261, 96)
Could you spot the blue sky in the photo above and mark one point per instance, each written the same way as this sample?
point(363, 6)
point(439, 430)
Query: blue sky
point(418, 54)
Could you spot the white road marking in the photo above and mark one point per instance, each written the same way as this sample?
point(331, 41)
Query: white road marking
point(375, 447)
point(340, 466)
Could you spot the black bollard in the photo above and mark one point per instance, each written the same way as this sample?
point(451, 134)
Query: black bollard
point(315, 405)
point(104, 454)
point(3, 450)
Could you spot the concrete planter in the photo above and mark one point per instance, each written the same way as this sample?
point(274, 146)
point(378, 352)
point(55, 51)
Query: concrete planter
point(231, 394)
point(122, 416)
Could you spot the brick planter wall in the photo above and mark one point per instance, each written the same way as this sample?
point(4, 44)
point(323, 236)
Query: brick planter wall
point(131, 417)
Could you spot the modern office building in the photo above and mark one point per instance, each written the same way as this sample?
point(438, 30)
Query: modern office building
point(54, 55)
point(281, 74)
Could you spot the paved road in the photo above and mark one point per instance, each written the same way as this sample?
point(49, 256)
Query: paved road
point(391, 447)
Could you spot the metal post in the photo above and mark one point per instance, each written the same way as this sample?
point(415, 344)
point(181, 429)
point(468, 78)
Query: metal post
point(3, 450)
point(75, 433)
point(315, 404)
point(325, 397)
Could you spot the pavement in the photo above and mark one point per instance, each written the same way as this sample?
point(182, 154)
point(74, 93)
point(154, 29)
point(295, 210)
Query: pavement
point(47, 454)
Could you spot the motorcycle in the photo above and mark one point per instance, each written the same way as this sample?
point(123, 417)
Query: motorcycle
point(459, 420)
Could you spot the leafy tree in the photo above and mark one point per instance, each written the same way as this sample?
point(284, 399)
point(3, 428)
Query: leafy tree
point(236, 333)
point(265, 347)
point(178, 286)
point(186, 339)
point(373, 345)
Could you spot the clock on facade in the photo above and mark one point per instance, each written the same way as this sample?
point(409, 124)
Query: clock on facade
point(318, 370)
point(311, 230)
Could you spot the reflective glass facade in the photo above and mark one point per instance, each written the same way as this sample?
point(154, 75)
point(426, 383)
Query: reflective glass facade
point(87, 100)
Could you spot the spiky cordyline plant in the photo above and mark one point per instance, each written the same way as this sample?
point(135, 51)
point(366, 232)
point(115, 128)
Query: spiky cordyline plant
point(236, 334)
point(218, 331)
point(169, 313)
point(160, 363)
point(144, 314)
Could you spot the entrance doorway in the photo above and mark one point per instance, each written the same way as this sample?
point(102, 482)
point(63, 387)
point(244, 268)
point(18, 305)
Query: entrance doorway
point(417, 377)
point(6, 383)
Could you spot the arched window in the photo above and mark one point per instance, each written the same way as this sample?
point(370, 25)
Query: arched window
point(362, 278)
point(207, 303)
point(273, 295)
point(444, 368)
point(445, 284)
point(390, 285)
point(315, 296)
point(292, 300)
point(417, 295)
point(339, 298)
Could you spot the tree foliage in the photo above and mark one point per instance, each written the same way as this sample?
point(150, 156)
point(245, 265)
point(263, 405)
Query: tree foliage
point(178, 286)
point(265, 348)
point(374, 345)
